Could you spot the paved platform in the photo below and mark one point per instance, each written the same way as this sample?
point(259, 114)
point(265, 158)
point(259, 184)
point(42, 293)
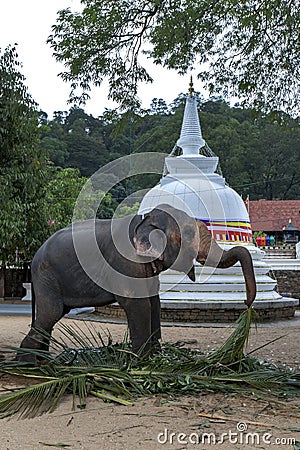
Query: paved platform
point(25, 310)
point(15, 309)
point(293, 322)
point(19, 309)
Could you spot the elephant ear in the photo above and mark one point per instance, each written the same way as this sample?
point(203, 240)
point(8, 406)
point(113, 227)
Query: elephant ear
point(144, 245)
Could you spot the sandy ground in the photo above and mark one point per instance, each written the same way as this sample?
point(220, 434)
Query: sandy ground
point(240, 421)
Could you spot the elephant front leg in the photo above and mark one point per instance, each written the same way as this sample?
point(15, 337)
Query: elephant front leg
point(138, 312)
point(155, 320)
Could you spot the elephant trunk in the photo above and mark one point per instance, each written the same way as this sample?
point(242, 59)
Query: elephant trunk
point(211, 254)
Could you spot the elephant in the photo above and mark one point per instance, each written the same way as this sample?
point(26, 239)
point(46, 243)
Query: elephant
point(100, 262)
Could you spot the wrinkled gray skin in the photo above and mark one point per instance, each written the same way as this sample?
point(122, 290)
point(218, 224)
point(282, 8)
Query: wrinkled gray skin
point(60, 283)
point(211, 254)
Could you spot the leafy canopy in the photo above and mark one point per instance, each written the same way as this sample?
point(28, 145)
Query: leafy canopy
point(22, 165)
point(259, 156)
point(244, 48)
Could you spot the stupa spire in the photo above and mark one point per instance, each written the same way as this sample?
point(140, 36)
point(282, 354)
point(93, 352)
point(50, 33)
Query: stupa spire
point(191, 89)
point(190, 137)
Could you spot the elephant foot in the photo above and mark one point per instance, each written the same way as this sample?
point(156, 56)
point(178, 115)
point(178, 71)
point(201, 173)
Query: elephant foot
point(26, 358)
point(33, 349)
point(154, 350)
point(151, 348)
point(155, 345)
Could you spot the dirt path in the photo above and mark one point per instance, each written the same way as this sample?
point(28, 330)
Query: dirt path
point(157, 423)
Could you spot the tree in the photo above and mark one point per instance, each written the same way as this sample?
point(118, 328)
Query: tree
point(258, 156)
point(74, 139)
point(62, 191)
point(158, 107)
point(22, 166)
point(247, 49)
point(273, 167)
point(53, 142)
point(84, 140)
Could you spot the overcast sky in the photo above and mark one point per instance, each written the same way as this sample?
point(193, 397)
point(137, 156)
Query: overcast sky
point(28, 23)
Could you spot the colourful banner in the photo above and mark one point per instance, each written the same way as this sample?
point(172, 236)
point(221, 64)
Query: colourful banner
point(231, 231)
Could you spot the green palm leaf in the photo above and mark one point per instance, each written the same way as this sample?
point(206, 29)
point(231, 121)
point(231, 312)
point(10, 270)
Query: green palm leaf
point(233, 349)
point(34, 400)
point(82, 363)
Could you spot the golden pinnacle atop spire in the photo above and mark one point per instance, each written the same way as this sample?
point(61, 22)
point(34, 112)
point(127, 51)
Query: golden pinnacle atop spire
point(191, 88)
point(190, 136)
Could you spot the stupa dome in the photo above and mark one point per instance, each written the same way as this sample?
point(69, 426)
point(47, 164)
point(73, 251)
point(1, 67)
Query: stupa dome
point(203, 195)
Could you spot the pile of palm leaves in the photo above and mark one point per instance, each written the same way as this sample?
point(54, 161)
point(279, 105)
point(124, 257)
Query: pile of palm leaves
point(81, 363)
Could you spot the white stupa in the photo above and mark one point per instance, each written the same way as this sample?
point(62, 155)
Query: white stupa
point(192, 184)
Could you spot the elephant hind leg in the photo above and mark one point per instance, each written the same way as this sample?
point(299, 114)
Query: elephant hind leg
point(49, 312)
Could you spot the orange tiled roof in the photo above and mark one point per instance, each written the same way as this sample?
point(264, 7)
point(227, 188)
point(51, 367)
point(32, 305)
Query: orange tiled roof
point(272, 215)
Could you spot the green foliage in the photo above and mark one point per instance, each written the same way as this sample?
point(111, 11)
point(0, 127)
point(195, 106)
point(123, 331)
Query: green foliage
point(279, 168)
point(75, 139)
point(23, 171)
point(125, 210)
point(233, 349)
point(245, 49)
point(106, 207)
point(84, 139)
point(259, 154)
point(82, 364)
point(62, 195)
point(52, 140)
point(62, 192)
point(158, 107)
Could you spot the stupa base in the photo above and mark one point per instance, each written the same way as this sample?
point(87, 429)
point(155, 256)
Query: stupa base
point(212, 312)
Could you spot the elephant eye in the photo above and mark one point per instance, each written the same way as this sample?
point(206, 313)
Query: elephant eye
point(155, 227)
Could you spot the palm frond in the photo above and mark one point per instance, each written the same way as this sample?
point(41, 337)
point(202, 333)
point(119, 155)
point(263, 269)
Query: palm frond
point(233, 349)
point(34, 400)
point(82, 363)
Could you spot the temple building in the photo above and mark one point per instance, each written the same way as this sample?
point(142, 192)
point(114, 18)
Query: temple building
point(278, 218)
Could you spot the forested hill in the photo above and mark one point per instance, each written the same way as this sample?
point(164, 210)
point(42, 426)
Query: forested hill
point(259, 156)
